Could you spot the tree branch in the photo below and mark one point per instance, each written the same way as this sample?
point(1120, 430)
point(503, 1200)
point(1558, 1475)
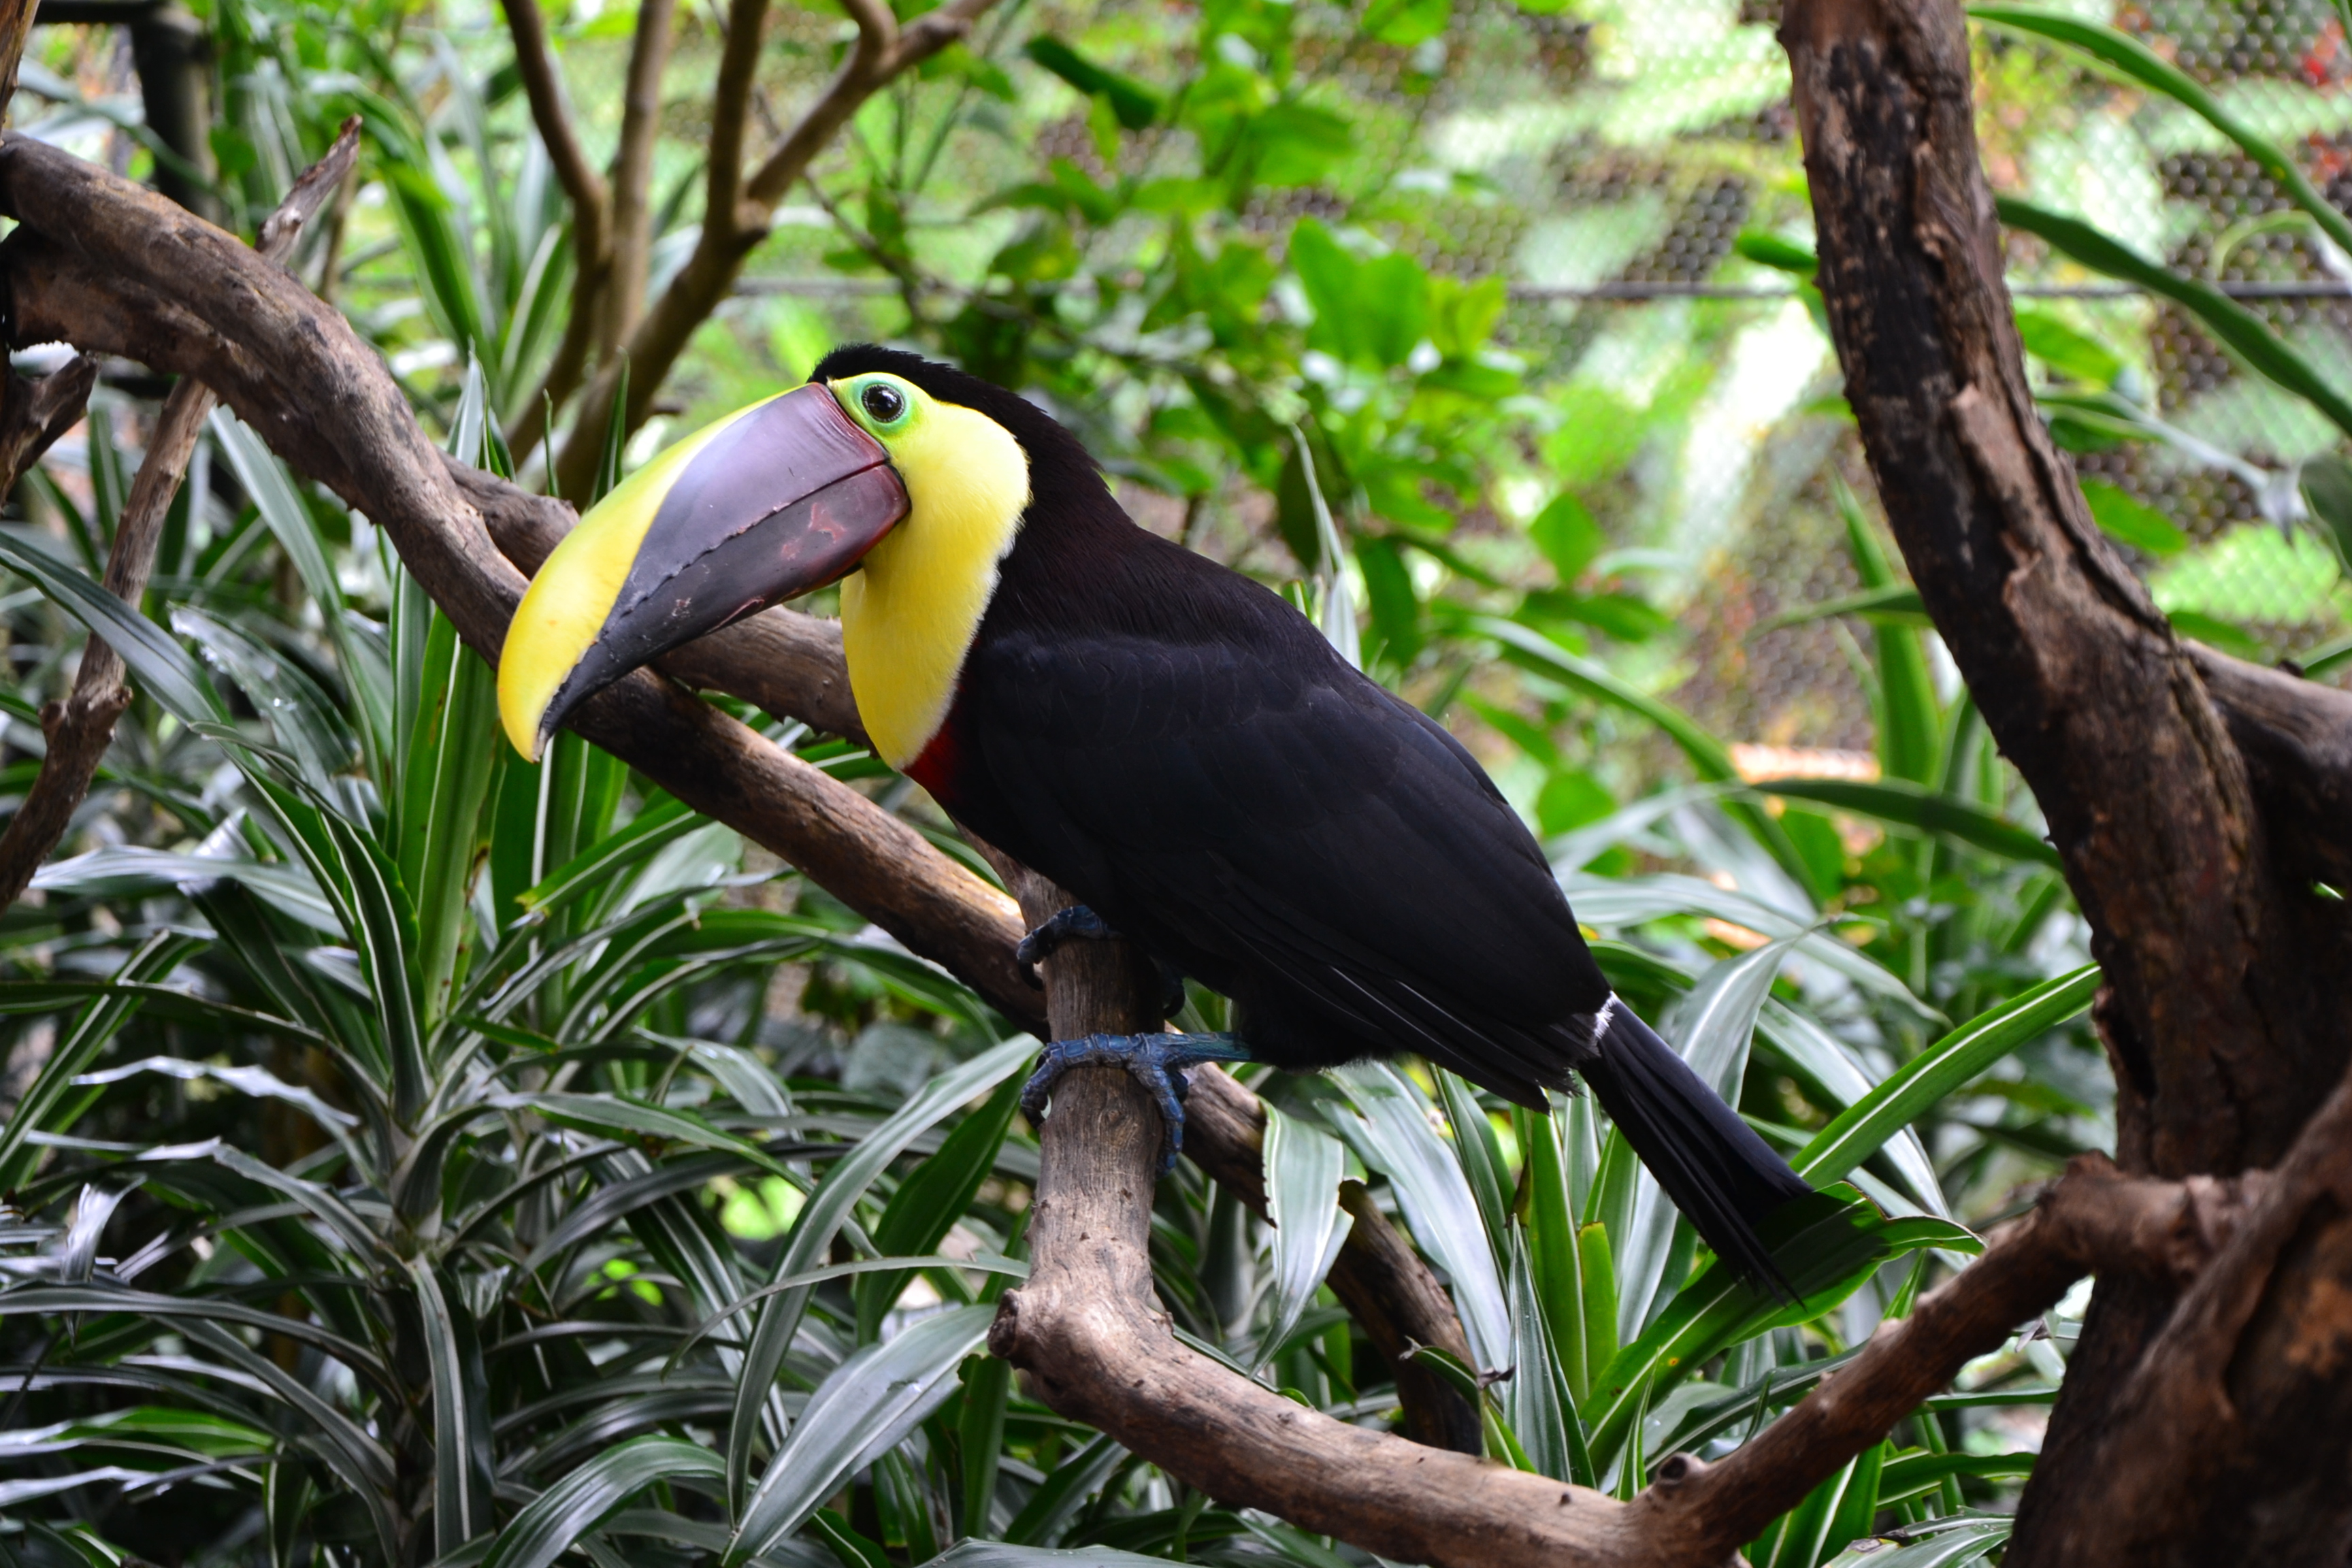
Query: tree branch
point(632, 173)
point(591, 204)
point(2188, 797)
point(79, 727)
point(737, 214)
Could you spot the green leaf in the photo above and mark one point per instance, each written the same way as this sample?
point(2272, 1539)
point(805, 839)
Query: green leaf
point(1826, 1243)
point(2326, 484)
point(2240, 331)
point(1771, 250)
point(1392, 1133)
point(1914, 806)
point(1303, 1166)
point(862, 1409)
point(1910, 720)
point(1709, 758)
point(556, 1519)
point(1569, 537)
point(2215, 632)
point(1894, 602)
point(2066, 351)
point(1552, 1251)
point(1951, 1545)
point(933, 1196)
point(1948, 1065)
point(463, 1467)
point(999, 1555)
point(2133, 522)
point(1405, 23)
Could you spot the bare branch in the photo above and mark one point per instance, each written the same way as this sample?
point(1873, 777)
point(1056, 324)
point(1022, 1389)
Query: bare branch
point(592, 232)
point(543, 86)
point(737, 213)
point(632, 173)
point(2246, 1377)
point(34, 414)
point(1087, 1330)
point(80, 727)
point(2093, 1220)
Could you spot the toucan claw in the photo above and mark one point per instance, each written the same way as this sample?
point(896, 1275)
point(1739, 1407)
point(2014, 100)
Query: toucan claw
point(1155, 1061)
point(1063, 926)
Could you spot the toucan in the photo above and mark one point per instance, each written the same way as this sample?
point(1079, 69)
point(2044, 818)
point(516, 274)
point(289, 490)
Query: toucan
point(1169, 740)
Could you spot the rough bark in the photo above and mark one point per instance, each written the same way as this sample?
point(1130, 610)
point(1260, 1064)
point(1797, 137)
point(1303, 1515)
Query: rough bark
point(79, 727)
point(2188, 797)
point(1085, 1329)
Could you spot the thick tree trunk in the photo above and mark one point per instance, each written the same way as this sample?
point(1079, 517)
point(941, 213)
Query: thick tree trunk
point(2185, 794)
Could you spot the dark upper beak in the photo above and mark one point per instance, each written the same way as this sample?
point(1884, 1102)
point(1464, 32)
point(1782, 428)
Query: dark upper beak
point(782, 498)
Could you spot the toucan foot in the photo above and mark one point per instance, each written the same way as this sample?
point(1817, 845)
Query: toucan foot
point(1076, 923)
point(1158, 1063)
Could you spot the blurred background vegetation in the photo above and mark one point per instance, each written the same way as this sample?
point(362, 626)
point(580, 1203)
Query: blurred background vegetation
point(414, 1155)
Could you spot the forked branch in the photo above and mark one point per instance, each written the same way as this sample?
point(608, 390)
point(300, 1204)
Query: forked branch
point(79, 727)
point(738, 211)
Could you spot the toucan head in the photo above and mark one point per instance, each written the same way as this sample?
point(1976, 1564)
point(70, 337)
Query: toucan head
point(883, 455)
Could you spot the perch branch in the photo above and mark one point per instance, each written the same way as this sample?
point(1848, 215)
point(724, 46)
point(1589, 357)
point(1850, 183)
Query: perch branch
point(79, 727)
point(737, 213)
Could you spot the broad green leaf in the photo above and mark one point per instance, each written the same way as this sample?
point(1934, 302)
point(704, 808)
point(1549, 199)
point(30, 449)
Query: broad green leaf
point(2136, 523)
point(865, 1407)
point(1553, 1260)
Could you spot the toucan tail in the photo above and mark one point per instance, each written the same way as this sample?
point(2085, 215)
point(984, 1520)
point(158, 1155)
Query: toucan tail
point(1722, 1177)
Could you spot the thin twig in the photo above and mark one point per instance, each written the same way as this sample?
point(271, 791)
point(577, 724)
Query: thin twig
point(79, 727)
point(591, 205)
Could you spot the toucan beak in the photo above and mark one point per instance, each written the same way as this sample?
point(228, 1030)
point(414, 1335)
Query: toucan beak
point(784, 497)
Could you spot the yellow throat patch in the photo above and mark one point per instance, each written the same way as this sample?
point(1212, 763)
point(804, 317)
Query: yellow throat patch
point(909, 613)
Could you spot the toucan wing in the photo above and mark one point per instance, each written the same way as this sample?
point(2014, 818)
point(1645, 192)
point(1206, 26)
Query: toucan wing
point(1244, 795)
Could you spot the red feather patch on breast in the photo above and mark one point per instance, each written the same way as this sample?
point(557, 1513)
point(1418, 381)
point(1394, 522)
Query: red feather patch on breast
point(939, 766)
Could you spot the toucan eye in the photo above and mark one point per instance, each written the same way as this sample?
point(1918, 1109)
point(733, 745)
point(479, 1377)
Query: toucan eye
point(883, 401)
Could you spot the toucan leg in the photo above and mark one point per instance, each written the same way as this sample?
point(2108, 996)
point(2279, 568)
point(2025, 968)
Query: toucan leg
point(1076, 923)
point(1157, 1061)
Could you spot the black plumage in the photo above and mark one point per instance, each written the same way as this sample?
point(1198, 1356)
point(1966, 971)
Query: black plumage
point(1184, 751)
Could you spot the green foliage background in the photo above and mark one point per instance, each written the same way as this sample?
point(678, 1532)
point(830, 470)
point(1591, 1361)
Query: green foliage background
point(414, 1155)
